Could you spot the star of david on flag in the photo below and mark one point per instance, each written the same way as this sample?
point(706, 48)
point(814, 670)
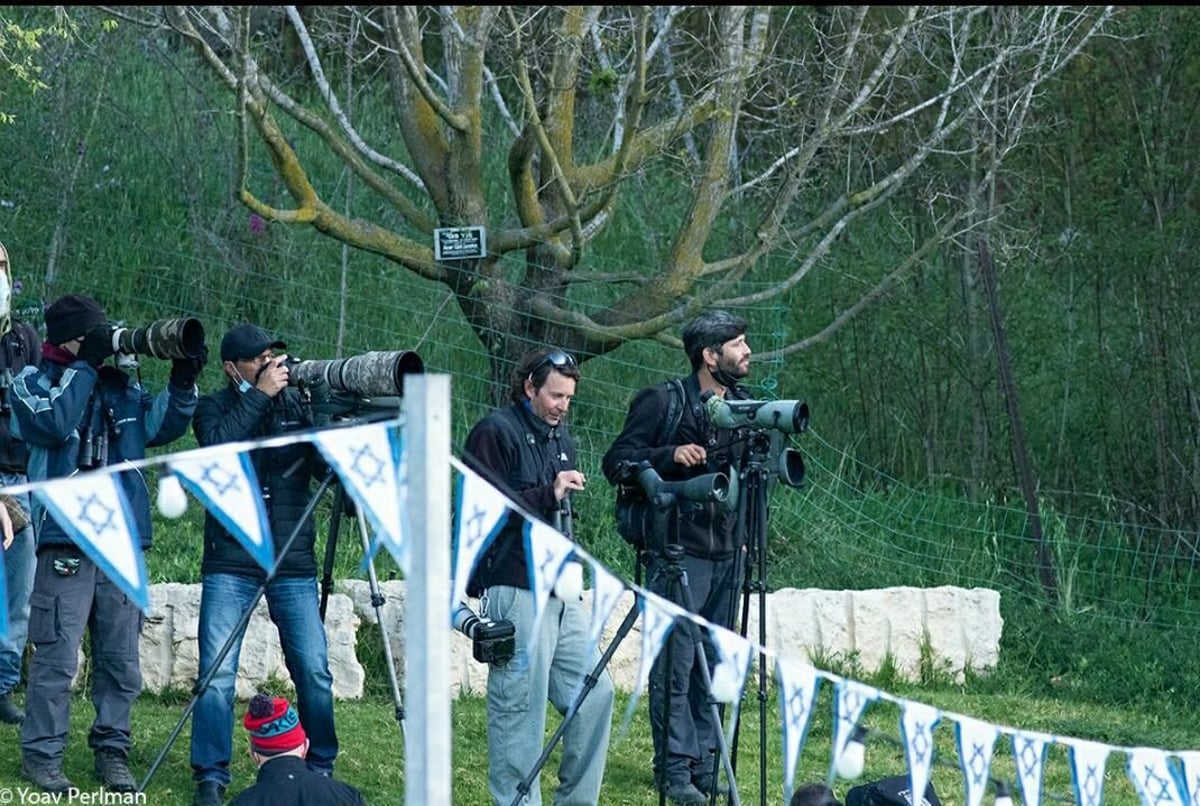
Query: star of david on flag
point(1029, 754)
point(850, 700)
point(547, 551)
point(227, 486)
point(798, 684)
point(1087, 771)
point(917, 722)
point(93, 510)
point(369, 461)
point(1150, 771)
point(607, 591)
point(481, 510)
point(976, 744)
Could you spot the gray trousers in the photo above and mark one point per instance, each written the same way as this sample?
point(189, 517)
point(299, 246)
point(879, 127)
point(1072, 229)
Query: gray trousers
point(62, 607)
point(691, 736)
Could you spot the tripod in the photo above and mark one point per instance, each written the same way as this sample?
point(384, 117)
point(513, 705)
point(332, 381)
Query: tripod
point(340, 504)
point(239, 630)
point(757, 475)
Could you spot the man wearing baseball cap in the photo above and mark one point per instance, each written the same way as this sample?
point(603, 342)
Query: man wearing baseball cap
point(257, 402)
point(278, 746)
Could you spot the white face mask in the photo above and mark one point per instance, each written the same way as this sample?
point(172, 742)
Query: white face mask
point(5, 295)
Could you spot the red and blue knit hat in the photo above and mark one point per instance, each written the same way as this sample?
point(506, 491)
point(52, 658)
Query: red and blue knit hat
point(273, 724)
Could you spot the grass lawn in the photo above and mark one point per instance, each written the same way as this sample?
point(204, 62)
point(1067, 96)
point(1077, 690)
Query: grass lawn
point(372, 747)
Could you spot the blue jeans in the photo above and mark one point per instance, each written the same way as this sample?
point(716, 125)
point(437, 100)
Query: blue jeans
point(552, 667)
point(20, 561)
point(294, 607)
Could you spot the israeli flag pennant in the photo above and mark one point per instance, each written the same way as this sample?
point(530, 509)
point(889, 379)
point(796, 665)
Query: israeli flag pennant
point(1029, 754)
point(1191, 775)
point(851, 698)
point(798, 684)
point(1087, 770)
point(1155, 781)
point(607, 591)
point(658, 618)
point(94, 512)
point(729, 675)
point(369, 461)
point(917, 721)
point(1191, 763)
point(976, 744)
point(481, 511)
point(227, 486)
point(546, 552)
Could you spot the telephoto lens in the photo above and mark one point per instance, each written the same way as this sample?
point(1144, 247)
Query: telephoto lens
point(162, 338)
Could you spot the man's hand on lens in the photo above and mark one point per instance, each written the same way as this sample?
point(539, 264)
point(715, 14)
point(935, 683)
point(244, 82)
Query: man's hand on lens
point(97, 345)
point(690, 455)
point(273, 377)
point(185, 371)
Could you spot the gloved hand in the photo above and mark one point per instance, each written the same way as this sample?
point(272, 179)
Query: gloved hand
point(185, 371)
point(97, 345)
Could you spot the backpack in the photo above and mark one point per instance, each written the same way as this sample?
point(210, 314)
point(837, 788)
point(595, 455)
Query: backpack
point(892, 791)
point(18, 348)
point(637, 520)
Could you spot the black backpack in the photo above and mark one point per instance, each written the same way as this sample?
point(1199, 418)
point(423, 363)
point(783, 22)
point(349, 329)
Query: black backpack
point(892, 791)
point(18, 347)
point(637, 520)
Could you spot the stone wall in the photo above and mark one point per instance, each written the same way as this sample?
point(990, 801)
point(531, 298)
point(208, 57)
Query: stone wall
point(960, 626)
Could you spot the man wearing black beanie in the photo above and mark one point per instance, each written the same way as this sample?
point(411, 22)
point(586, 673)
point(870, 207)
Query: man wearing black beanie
point(78, 415)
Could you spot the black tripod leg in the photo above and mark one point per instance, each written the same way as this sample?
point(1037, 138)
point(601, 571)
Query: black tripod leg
point(203, 683)
point(335, 527)
point(377, 602)
point(589, 683)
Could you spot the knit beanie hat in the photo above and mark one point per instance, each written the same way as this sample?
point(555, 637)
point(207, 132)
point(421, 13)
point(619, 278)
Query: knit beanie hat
point(72, 316)
point(273, 724)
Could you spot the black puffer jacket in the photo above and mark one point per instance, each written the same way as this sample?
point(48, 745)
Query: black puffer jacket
point(284, 473)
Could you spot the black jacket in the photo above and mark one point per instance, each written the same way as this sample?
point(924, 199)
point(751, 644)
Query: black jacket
point(704, 528)
point(287, 781)
point(521, 455)
point(19, 347)
point(284, 473)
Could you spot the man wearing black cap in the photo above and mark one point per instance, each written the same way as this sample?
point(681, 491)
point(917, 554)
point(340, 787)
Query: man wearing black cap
point(667, 427)
point(257, 402)
point(78, 415)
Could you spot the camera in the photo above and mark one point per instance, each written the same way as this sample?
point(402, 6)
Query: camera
point(491, 641)
point(162, 338)
point(787, 416)
point(372, 374)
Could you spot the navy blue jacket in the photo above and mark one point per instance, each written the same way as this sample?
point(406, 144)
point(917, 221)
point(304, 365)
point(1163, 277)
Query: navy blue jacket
point(284, 473)
point(50, 406)
point(521, 455)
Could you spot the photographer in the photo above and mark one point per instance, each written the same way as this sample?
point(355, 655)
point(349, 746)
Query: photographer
point(77, 415)
point(20, 346)
point(257, 402)
point(716, 346)
point(526, 450)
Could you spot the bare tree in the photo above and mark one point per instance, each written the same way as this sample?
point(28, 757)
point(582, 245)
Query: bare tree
point(758, 136)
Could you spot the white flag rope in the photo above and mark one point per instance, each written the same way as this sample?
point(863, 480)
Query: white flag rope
point(1159, 776)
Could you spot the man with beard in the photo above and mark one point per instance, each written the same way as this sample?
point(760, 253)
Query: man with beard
point(675, 437)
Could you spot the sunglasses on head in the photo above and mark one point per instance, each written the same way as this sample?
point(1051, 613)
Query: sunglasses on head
point(559, 359)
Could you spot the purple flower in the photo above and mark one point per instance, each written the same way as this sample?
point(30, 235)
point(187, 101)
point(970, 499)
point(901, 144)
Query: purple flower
point(18, 286)
point(258, 224)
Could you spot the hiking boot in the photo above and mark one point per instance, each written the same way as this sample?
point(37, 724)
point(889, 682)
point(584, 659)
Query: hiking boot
point(685, 795)
point(209, 793)
point(46, 774)
point(704, 783)
point(113, 770)
point(10, 714)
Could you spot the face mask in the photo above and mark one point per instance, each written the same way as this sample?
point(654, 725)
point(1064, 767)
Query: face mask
point(244, 386)
point(5, 301)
